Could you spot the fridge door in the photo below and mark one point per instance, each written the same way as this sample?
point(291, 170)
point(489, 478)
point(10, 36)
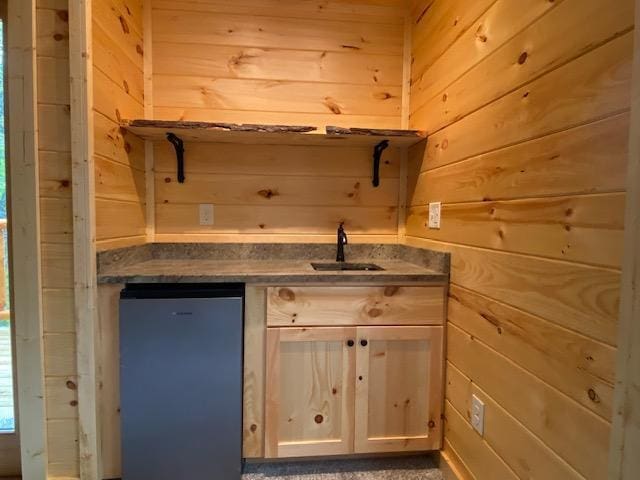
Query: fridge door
point(181, 388)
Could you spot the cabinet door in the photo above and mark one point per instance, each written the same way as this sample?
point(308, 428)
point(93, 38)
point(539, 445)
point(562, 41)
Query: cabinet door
point(398, 389)
point(309, 391)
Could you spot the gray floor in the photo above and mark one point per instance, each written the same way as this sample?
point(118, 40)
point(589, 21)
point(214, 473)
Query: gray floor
point(390, 468)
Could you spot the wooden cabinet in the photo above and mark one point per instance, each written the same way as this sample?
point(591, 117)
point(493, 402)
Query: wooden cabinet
point(365, 388)
point(398, 398)
point(310, 391)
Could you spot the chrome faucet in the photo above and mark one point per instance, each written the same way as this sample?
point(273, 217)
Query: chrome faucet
point(342, 241)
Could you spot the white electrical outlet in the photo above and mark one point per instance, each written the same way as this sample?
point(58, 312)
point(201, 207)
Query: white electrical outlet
point(434, 214)
point(206, 214)
point(477, 414)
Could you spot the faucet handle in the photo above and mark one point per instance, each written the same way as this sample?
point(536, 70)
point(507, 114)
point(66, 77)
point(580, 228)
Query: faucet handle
point(342, 234)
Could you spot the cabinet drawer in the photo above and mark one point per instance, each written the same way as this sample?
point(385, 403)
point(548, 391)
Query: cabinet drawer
point(332, 306)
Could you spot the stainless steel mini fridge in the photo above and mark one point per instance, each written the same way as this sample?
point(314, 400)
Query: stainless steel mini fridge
point(181, 381)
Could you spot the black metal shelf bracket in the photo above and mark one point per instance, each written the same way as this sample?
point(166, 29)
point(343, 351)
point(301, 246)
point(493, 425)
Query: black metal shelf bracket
point(377, 155)
point(178, 144)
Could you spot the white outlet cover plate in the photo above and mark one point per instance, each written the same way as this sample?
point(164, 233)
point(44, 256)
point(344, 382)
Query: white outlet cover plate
point(434, 214)
point(477, 414)
point(206, 214)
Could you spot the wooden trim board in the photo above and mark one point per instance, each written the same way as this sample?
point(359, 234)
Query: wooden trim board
point(255, 330)
point(147, 39)
point(150, 189)
point(148, 114)
point(109, 379)
point(624, 461)
point(451, 465)
point(402, 195)
point(84, 237)
point(25, 237)
point(406, 71)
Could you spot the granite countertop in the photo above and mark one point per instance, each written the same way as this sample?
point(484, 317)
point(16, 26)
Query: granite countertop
point(266, 263)
point(260, 271)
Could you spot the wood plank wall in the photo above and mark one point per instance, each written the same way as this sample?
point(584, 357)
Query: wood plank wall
point(335, 62)
point(265, 193)
point(526, 103)
point(56, 226)
point(118, 94)
point(265, 61)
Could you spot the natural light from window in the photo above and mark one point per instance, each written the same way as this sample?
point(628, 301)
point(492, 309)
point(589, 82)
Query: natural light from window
point(7, 410)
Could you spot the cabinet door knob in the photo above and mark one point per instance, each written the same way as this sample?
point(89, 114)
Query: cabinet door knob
point(350, 343)
point(364, 343)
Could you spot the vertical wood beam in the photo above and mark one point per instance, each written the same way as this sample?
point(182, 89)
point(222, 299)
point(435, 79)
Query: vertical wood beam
point(624, 461)
point(255, 329)
point(109, 375)
point(147, 41)
point(84, 237)
point(406, 71)
point(404, 123)
point(150, 192)
point(148, 114)
point(24, 211)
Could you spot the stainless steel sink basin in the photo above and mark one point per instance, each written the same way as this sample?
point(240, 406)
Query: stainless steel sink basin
point(343, 266)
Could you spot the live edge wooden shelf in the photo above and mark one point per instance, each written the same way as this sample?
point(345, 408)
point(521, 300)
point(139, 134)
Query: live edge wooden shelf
point(157, 130)
point(178, 132)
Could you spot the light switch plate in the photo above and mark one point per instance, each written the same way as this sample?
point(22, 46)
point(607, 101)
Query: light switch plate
point(477, 414)
point(434, 214)
point(206, 214)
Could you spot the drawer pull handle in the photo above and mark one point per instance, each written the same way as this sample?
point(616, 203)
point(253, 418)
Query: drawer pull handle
point(364, 343)
point(350, 343)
